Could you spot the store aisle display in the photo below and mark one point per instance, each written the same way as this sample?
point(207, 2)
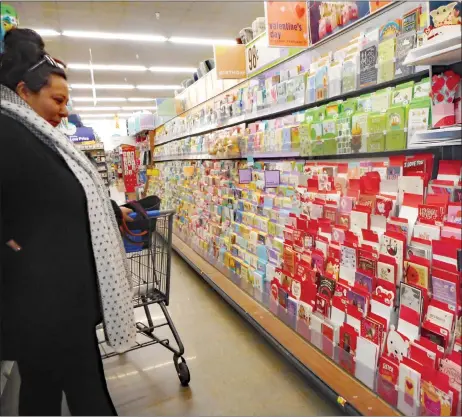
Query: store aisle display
point(234, 370)
point(307, 188)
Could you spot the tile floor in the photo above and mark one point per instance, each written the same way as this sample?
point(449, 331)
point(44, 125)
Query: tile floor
point(233, 370)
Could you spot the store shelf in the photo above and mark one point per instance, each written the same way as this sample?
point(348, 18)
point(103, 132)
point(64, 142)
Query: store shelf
point(334, 383)
point(447, 51)
point(292, 107)
point(437, 137)
point(296, 155)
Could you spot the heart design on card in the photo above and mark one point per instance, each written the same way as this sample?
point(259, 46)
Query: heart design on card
point(452, 82)
point(274, 291)
point(300, 11)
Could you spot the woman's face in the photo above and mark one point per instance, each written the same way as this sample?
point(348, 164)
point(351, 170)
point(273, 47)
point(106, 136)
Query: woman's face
point(50, 102)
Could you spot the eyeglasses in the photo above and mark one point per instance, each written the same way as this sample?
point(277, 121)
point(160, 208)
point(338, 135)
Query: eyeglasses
point(47, 59)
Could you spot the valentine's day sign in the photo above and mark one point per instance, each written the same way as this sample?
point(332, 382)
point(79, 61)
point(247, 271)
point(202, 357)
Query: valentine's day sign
point(287, 23)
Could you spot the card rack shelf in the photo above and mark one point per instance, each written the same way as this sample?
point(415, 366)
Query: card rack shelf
point(265, 114)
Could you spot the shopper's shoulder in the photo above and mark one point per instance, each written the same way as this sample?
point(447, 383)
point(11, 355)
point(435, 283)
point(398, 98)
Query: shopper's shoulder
point(14, 133)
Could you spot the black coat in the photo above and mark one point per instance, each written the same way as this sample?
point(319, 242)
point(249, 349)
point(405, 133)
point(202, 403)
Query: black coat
point(49, 295)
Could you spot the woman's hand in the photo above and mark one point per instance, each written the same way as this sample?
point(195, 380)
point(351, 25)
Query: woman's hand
point(125, 214)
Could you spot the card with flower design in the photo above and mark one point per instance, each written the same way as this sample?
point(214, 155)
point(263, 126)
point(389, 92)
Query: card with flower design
point(415, 273)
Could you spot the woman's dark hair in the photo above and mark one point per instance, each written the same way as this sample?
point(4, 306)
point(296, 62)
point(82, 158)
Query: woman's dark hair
point(24, 48)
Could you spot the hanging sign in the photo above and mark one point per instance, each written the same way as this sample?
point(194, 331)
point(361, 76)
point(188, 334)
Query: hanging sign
point(129, 168)
point(287, 23)
point(82, 134)
point(230, 61)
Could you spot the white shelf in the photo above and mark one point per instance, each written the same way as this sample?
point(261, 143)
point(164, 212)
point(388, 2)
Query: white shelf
point(444, 51)
point(436, 137)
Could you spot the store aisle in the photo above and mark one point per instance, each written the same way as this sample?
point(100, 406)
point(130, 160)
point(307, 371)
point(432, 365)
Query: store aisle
point(234, 371)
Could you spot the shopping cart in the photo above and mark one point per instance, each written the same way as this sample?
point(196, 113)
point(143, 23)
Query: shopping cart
point(148, 243)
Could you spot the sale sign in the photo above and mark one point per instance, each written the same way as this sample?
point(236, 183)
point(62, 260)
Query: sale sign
point(129, 168)
point(287, 23)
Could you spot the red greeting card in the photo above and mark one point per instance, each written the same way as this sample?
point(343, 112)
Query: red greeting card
point(388, 370)
point(372, 330)
point(323, 305)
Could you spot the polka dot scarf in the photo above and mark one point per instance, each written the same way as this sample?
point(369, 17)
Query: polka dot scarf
point(114, 277)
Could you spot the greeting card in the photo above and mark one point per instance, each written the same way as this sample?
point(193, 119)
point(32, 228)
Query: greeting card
point(436, 396)
point(387, 268)
point(417, 271)
point(367, 354)
point(364, 282)
point(409, 388)
point(388, 370)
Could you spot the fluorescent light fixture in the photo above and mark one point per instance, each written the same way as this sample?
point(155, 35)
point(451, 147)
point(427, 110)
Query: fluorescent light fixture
point(103, 115)
point(117, 36)
point(202, 41)
point(139, 108)
point(102, 99)
point(103, 86)
point(140, 99)
point(101, 67)
point(47, 32)
point(173, 69)
point(157, 87)
point(88, 108)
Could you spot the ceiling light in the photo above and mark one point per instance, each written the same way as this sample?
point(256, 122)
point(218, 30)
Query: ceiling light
point(95, 116)
point(157, 87)
point(88, 108)
point(139, 108)
point(202, 41)
point(172, 69)
point(90, 99)
point(100, 67)
point(47, 32)
point(118, 36)
point(141, 99)
point(103, 86)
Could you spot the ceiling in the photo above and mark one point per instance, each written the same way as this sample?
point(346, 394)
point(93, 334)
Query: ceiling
point(205, 19)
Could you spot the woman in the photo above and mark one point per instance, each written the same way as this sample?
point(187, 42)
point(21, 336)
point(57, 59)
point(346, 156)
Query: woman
point(63, 267)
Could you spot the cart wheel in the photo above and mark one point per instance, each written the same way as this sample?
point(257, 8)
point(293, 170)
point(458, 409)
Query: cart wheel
point(183, 374)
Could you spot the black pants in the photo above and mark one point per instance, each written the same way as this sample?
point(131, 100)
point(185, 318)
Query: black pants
point(76, 371)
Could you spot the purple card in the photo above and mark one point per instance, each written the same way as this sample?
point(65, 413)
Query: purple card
point(364, 282)
point(272, 178)
point(245, 176)
point(444, 291)
point(357, 300)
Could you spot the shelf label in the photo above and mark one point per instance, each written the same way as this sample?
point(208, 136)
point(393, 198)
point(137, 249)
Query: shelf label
point(259, 55)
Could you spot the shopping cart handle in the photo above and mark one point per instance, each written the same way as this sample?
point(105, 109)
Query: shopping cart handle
point(152, 214)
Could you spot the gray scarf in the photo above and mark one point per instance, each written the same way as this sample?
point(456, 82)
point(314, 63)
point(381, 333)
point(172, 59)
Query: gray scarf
point(114, 277)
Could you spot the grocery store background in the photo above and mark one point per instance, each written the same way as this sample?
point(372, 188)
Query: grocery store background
point(234, 371)
point(129, 57)
point(169, 41)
